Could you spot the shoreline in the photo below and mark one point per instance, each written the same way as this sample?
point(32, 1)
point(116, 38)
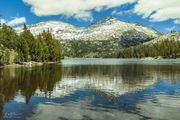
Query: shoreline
point(26, 64)
point(34, 64)
point(143, 58)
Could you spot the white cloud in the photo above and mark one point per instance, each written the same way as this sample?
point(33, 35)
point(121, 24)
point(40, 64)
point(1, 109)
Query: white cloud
point(177, 21)
point(17, 21)
point(170, 29)
point(2, 21)
point(122, 12)
point(79, 9)
point(158, 10)
point(154, 10)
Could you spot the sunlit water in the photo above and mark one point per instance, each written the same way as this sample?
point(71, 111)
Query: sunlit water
point(92, 89)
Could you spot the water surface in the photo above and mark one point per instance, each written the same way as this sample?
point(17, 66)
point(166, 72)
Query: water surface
point(92, 89)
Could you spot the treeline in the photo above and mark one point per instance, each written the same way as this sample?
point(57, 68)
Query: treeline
point(165, 48)
point(41, 48)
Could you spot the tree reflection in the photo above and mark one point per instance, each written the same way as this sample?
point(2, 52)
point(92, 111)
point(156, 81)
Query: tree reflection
point(112, 81)
point(109, 81)
point(27, 81)
point(130, 74)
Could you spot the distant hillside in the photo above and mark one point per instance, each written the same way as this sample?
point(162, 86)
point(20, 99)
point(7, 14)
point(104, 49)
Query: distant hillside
point(165, 46)
point(171, 36)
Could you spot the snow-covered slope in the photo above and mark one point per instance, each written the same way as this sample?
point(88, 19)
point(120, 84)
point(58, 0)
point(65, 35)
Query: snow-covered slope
point(113, 28)
point(105, 29)
point(54, 26)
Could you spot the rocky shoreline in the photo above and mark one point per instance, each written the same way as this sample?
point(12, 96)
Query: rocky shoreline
point(26, 64)
point(33, 64)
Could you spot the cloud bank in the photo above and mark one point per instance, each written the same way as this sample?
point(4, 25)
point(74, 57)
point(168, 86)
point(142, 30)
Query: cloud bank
point(79, 9)
point(154, 10)
point(158, 10)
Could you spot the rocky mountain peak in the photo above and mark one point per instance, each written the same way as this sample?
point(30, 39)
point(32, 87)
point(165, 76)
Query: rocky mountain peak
point(106, 21)
point(109, 19)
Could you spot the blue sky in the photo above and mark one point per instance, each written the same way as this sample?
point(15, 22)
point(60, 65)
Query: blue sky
point(163, 15)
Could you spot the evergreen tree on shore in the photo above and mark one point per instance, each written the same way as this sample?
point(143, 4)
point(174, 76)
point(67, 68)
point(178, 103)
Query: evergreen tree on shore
point(52, 48)
point(8, 37)
point(24, 45)
point(41, 48)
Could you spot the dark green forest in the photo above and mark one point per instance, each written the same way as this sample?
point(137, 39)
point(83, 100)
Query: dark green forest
point(165, 49)
point(24, 47)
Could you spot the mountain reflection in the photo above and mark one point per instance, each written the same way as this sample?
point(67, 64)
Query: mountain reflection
point(54, 81)
point(113, 80)
point(26, 81)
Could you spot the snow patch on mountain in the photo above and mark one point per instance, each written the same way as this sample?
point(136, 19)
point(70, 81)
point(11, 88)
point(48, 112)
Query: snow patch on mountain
point(105, 29)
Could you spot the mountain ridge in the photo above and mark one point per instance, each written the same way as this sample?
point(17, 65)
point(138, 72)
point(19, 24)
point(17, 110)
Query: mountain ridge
point(108, 25)
point(100, 39)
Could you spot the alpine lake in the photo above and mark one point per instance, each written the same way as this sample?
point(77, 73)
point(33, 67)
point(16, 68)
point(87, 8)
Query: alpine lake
point(92, 89)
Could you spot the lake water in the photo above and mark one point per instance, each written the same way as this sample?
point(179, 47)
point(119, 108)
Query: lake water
point(92, 89)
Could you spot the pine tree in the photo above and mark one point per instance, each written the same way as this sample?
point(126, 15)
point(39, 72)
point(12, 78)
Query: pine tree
point(23, 45)
point(52, 46)
point(8, 37)
point(42, 48)
point(38, 50)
